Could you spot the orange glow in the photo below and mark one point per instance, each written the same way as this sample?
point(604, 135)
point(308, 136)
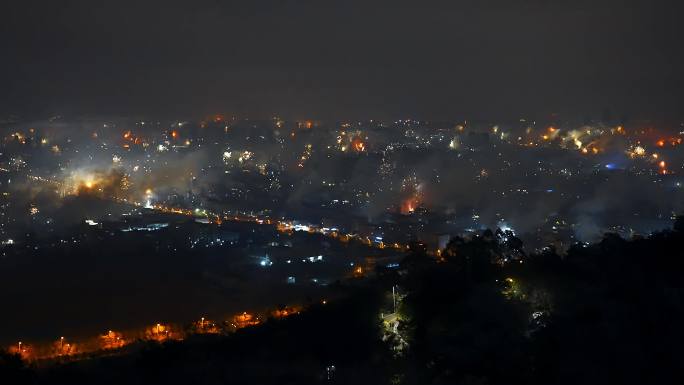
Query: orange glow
point(62, 348)
point(408, 206)
point(662, 164)
point(660, 143)
point(358, 145)
point(174, 134)
point(161, 332)
point(112, 340)
point(244, 320)
point(205, 326)
point(285, 312)
point(89, 184)
point(25, 351)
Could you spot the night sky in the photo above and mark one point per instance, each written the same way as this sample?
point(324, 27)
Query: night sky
point(498, 59)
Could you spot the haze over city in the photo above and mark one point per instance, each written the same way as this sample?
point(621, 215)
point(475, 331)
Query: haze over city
point(348, 192)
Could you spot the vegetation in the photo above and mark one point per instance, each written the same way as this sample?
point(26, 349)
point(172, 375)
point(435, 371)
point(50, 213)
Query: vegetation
point(484, 312)
point(610, 312)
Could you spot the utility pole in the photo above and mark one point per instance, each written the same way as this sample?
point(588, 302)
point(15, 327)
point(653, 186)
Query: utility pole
point(394, 299)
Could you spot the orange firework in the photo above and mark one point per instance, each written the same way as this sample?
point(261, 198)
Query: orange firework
point(358, 145)
point(409, 205)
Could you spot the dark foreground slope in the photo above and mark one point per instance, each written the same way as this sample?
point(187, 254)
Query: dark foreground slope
point(337, 340)
point(610, 312)
point(483, 313)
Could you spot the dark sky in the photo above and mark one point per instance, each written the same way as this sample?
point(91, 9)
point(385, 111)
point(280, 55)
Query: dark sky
point(492, 59)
